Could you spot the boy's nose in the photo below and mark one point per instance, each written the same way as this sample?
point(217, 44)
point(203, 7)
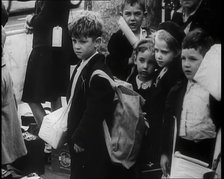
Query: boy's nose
point(132, 17)
point(186, 63)
point(77, 46)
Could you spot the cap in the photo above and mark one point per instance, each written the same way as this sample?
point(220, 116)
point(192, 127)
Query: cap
point(173, 29)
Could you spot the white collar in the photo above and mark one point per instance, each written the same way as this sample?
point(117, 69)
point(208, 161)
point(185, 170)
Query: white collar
point(84, 62)
point(142, 84)
point(162, 72)
point(142, 34)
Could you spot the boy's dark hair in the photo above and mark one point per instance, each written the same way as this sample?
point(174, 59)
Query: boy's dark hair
point(198, 39)
point(150, 45)
point(132, 2)
point(88, 24)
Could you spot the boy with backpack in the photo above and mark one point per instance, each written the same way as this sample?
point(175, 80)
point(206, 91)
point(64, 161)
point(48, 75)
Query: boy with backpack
point(92, 101)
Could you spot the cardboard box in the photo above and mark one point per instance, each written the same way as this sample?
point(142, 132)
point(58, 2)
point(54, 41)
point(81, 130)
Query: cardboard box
point(61, 160)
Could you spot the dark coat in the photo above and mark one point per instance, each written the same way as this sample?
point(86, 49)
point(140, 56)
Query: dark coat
point(156, 106)
point(48, 14)
point(90, 106)
point(206, 17)
point(173, 107)
point(53, 62)
point(4, 14)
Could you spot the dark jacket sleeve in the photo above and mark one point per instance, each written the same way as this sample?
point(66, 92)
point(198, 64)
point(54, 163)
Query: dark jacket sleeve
point(4, 14)
point(99, 103)
point(168, 127)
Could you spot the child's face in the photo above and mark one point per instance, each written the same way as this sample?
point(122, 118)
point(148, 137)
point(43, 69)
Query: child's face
point(133, 15)
point(145, 64)
point(164, 56)
point(191, 60)
point(84, 47)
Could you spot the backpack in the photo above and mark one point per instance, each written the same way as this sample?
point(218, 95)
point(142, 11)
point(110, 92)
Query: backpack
point(124, 134)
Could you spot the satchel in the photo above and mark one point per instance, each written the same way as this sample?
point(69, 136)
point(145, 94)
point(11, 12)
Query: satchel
point(54, 127)
point(183, 166)
point(188, 167)
point(123, 138)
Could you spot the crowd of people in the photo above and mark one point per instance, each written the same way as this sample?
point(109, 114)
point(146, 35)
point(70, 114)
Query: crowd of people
point(161, 67)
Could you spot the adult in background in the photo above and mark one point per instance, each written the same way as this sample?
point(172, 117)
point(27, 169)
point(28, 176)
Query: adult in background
point(199, 14)
point(48, 69)
point(12, 143)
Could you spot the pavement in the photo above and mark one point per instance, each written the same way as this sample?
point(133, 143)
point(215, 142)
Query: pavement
point(50, 174)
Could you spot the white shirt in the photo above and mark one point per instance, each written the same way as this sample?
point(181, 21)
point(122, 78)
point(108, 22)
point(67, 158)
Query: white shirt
point(196, 123)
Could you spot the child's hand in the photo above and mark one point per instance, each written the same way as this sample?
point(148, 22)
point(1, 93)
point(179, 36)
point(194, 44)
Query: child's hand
point(78, 148)
point(164, 163)
point(28, 29)
point(28, 19)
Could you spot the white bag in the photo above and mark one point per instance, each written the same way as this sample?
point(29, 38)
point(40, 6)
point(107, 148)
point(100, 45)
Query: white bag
point(187, 167)
point(183, 166)
point(54, 126)
point(209, 72)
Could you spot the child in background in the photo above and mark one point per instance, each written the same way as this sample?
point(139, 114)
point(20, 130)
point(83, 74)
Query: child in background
point(145, 65)
point(142, 83)
point(120, 49)
point(168, 39)
point(193, 107)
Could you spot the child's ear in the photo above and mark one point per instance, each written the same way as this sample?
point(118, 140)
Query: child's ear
point(98, 41)
point(135, 59)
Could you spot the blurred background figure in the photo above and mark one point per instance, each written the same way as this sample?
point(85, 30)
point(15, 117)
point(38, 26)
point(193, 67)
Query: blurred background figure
point(12, 145)
point(48, 69)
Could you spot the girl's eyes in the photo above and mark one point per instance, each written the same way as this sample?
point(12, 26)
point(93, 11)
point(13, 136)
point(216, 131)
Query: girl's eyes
point(162, 51)
point(142, 60)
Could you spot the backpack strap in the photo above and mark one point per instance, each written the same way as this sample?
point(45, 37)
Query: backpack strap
point(103, 75)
